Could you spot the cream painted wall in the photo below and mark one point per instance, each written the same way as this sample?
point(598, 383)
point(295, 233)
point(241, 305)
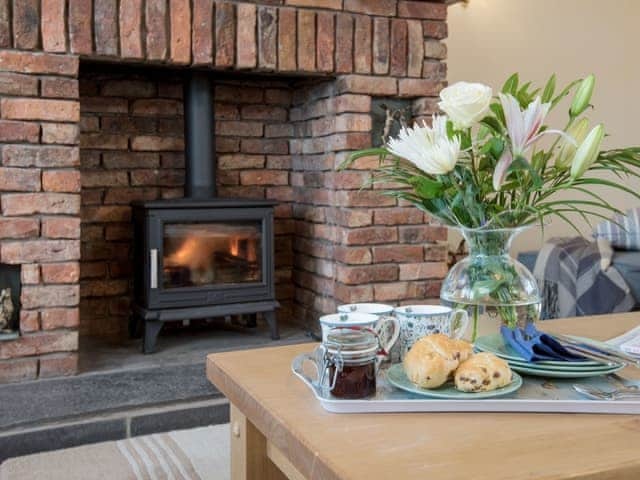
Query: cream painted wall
point(491, 39)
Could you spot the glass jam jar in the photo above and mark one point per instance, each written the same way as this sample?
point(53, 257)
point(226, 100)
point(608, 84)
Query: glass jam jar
point(351, 359)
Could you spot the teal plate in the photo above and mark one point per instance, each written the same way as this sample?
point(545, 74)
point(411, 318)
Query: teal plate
point(495, 344)
point(564, 368)
point(539, 372)
point(397, 378)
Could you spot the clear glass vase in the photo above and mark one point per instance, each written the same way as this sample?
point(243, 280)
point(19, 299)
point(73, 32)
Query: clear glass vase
point(489, 283)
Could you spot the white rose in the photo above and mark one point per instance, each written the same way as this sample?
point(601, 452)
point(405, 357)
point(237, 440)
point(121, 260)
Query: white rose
point(465, 103)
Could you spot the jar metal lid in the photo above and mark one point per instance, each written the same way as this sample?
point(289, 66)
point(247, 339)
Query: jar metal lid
point(370, 308)
point(352, 342)
point(348, 319)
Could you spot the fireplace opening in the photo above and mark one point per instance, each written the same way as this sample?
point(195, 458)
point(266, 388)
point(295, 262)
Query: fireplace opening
point(147, 189)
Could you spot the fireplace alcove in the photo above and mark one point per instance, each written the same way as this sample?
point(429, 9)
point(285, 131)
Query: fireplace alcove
point(147, 207)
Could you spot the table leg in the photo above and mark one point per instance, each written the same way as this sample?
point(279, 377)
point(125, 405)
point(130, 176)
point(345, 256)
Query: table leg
point(249, 459)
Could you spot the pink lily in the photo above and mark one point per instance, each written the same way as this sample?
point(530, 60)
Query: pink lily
point(500, 173)
point(524, 130)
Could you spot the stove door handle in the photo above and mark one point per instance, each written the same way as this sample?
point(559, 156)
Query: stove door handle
point(153, 254)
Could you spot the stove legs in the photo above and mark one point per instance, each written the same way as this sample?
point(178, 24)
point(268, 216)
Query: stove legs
point(270, 317)
point(136, 325)
point(151, 331)
point(251, 320)
point(151, 320)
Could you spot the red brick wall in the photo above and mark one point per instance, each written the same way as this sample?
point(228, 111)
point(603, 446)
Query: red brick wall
point(352, 244)
point(40, 206)
point(253, 133)
point(337, 243)
point(131, 149)
point(378, 37)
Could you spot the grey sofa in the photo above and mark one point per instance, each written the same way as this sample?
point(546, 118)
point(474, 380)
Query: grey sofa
point(626, 262)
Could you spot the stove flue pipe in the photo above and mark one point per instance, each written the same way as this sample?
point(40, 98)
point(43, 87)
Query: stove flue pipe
point(199, 135)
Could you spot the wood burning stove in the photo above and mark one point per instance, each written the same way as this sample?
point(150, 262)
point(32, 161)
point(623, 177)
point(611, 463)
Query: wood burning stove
point(202, 256)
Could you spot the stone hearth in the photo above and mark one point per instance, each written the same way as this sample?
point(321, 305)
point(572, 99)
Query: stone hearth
point(91, 120)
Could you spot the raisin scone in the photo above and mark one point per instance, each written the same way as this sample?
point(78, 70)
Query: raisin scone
point(462, 350)
point(482, 372)
point(432, 360)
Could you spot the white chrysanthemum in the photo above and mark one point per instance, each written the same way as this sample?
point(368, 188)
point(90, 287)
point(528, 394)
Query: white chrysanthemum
point(428, 148)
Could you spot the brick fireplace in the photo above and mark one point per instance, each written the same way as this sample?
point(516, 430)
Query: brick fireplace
point(91, 121)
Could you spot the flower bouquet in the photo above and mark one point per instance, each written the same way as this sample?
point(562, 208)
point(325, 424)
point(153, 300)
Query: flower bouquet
point(483, 169)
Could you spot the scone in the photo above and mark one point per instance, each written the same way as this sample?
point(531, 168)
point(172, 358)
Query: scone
point(432, 360)
point(462, 350)
point(482, 372)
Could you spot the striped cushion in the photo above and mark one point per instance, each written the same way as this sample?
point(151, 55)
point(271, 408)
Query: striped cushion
point(625, 235)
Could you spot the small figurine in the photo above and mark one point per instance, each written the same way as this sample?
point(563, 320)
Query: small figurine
point(391, 117)
point(6, 308)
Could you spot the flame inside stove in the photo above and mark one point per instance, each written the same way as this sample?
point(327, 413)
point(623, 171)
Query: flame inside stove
point(234, 247)
point(187, 254)
point(199, 255)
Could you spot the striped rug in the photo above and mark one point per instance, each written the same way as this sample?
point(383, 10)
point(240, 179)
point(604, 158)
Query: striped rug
point(195, 454)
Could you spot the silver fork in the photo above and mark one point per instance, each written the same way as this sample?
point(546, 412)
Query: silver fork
point(622, 382)
point(599, 394)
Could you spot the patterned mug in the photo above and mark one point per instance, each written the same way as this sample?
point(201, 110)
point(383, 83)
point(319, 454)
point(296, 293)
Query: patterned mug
point(387, 328)
point(416, 321)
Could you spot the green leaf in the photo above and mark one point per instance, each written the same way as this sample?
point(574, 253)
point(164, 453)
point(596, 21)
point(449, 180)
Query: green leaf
point(451, 131)
point(521, 163)
point(608, 183)
point(497, 147)
point(483, 288)
point(511, 85)
point(483, 131)
point(493, 147)
point(380, 151)
point(522, 96)
point(549, 88)
point(568, 220)
point(465, 140)
point(425, 187)
point(496, 108)
point(537, 160)
point(564, 93)
point(492, 124)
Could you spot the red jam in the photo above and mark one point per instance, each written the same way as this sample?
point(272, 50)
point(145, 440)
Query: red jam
point(354, 381)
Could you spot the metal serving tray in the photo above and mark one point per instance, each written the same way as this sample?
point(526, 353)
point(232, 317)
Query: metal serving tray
point(537, 395)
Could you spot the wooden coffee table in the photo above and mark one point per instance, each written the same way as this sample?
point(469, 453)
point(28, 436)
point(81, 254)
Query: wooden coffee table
point(278, 430)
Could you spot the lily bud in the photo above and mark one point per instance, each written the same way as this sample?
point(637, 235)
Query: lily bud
point(583, 96)
point(578, 132)
point(587, 152)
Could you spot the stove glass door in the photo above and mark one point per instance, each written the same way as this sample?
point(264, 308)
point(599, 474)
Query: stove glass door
point(211, 253)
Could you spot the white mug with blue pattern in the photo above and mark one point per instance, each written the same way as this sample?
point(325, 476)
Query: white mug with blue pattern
point(417, 321)
point(387, 327)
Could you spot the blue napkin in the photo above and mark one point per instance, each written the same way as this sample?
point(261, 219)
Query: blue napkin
point(539, 346)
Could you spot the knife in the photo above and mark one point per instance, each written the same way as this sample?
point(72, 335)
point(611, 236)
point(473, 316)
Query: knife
point(598, 348)
point(591, 355)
